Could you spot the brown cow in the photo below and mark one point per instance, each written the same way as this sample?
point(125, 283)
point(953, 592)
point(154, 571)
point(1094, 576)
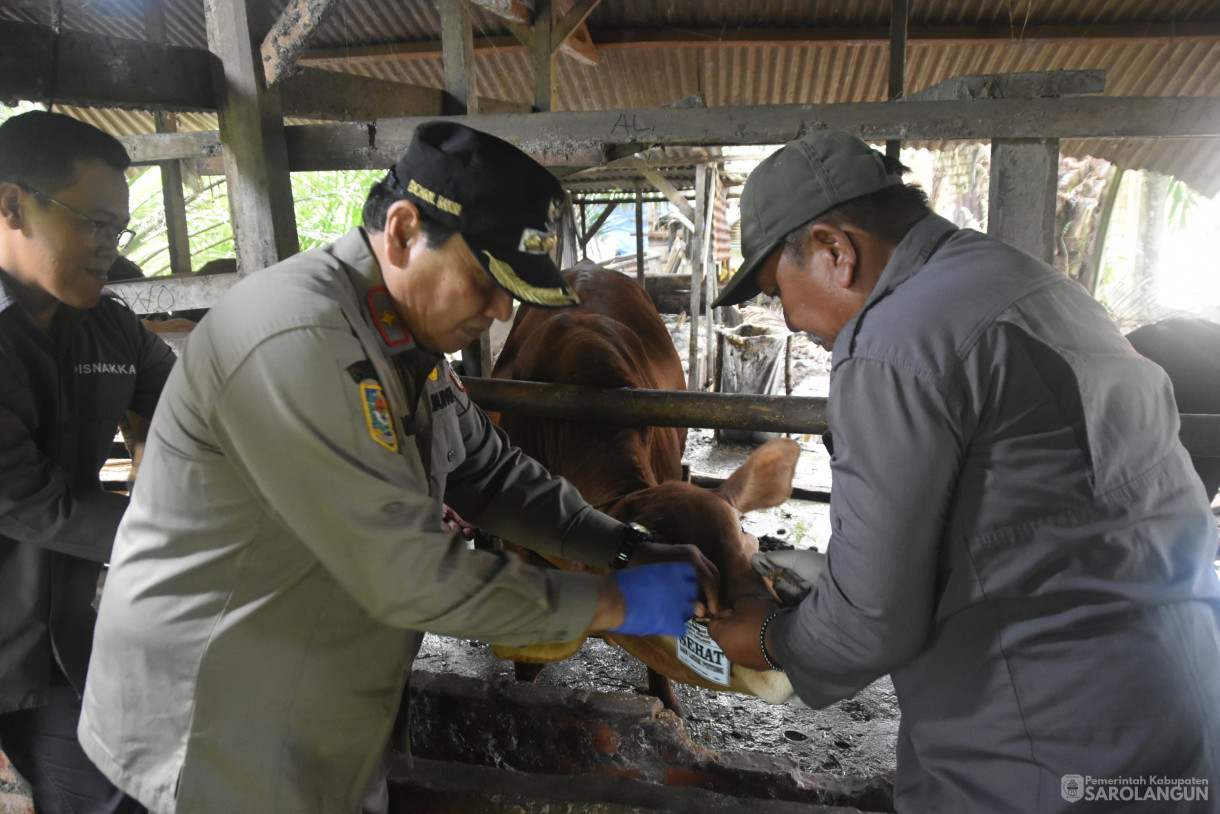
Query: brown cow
point(615, 338)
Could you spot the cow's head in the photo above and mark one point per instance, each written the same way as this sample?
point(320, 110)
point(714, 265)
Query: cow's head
point(711, 518)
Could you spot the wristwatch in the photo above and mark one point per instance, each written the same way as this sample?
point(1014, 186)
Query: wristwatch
point(633, 535)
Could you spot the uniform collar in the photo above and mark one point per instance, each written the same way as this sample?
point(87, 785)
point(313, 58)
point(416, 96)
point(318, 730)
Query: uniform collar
point(912, 252)
point(356, 254)
point(909, 256)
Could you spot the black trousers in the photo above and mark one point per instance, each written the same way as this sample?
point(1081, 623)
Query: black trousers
point(41, 744)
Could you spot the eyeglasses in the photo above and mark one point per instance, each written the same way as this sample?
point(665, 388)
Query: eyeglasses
point(118, 236)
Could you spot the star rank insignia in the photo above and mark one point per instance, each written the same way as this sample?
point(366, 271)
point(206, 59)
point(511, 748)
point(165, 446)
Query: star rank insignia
point(385, 317)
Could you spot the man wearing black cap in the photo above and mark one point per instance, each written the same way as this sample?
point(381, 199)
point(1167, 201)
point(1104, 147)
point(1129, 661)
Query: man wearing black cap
point(284, 551)
point(1017, 534)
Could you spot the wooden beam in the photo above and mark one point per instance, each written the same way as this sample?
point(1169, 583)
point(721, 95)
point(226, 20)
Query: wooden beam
point(314, 93)
point(571, 34)
point(513, 11)
point(96, 71)
point(289, 35)
point(544, 56)
point(597, 223)
point(252, 138)
point(661, 38)
point(694, 371)
point(178, 243)
point(949, 34)
point(578, 138)
point(1019, 85)
point(898, 63)
point(1024, 180)
point(461, 91)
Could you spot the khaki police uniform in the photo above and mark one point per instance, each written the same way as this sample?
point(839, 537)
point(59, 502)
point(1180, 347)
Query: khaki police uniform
point(283, 551)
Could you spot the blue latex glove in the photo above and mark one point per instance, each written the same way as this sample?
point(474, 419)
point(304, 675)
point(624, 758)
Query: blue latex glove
point(658, 598)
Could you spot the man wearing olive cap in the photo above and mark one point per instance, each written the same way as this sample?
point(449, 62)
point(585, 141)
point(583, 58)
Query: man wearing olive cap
point(1018, 537)
point(284, 550)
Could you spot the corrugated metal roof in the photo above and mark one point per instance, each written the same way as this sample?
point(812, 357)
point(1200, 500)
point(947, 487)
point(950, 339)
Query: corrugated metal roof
point(653, 52)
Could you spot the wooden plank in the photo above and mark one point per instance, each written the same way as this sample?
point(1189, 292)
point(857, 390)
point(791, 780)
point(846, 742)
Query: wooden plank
point(581, 139)
point(173, 293)
point(1024, 179)
point(314, 93)
point(289, 35)
point(461, 89)
point(252, 138)
point(97, 71)
point(1019, 85)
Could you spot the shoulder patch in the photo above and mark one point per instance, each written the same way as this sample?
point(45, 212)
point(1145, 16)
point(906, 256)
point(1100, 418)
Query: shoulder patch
point(377, 414)
point(362, 370)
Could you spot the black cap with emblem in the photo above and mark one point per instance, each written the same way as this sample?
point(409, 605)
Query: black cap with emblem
point(505, 205)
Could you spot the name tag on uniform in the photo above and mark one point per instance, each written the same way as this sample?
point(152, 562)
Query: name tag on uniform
point(699, 651)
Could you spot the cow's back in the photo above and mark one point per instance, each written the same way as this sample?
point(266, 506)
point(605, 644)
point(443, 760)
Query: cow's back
point(614, 338)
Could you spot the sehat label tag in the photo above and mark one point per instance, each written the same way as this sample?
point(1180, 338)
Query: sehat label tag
point(699, 651)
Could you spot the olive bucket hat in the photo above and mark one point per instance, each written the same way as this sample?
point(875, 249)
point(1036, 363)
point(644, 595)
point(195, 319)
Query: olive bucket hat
point(802, 180)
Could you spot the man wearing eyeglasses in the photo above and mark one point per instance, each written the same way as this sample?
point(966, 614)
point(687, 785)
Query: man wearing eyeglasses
point(73, 362)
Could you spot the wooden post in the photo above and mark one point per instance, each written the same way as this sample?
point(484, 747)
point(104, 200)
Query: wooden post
point(639, 236)
point(709, 259)
point(457, 53)
point(898, 60)
point(252, 138)
point(172, 197)
point(694, 381)
point(544, 57)
point(1024, 183)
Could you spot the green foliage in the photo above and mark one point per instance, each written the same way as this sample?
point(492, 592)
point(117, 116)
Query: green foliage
point(1183, 204)
point(327, 204)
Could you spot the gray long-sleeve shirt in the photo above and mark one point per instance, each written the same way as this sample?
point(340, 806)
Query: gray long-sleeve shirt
point(62, 395)
point(284, 551)
point(1017, 536)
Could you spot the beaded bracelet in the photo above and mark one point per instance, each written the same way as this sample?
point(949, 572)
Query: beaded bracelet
point(762, 642)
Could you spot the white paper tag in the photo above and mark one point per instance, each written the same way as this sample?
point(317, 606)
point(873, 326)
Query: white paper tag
point(698, 651)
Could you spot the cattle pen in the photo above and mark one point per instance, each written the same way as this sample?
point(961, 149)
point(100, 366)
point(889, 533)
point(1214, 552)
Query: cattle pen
point(630, 104)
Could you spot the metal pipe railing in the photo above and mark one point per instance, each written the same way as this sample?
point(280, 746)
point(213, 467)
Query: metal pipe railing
point(801, 415)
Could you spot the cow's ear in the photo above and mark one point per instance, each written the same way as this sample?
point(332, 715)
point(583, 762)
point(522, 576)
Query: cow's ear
point(765, 479)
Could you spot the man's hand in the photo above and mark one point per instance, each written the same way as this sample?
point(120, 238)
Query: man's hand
point(737, 632)
point(648, 600)
point(792, 573)
point(451, 522)
point(649, 552)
